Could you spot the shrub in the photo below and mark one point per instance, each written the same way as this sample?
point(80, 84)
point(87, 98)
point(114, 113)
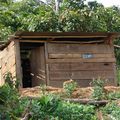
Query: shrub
point(43, 108)
point(98, 89)
point(114, 95)
point(112, 110)
point(50, 107)
point(11, 81)
point(11, 106)
point(69, 87)
point(71, 111)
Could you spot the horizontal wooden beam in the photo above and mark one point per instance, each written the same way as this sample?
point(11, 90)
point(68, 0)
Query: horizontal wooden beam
point(78, 55)
point(19, 34)
point(88, 101)
point(69, 36)
point(81, 60)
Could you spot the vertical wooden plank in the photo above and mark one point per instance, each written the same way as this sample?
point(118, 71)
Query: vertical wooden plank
point(115, 74)
point(18, 62)
point(1, 80)
point(114, 66)
point(46, 64)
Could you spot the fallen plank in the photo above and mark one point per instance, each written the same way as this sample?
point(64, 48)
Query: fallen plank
point(88, 101)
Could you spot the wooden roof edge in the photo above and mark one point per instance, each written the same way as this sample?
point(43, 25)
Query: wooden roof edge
point(55, 34)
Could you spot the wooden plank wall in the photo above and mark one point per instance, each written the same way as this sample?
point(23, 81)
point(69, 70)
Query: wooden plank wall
point(65, 62)
point(37, 60)
point(7, 61)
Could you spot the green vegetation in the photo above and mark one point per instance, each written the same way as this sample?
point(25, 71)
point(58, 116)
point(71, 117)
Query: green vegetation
point(114, 95)
point(72, 15)
point(52, 107)
point(69, 87)
point(10, 104)
point(49, 107)
point(98, 89)
point(112, 111)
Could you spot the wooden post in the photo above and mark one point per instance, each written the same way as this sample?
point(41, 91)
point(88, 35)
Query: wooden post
point(1, 78)
point(18, 62)
point(46, 64)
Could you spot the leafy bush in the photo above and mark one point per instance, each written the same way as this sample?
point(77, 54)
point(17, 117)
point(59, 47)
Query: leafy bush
point(11, 81)
point(43, 108)
point(50, 107)
point(43, 88)
point(69, 87)
point(11, 105)
point(112, 110)
point(71, 111)
point(98, 89)
point(114, 95)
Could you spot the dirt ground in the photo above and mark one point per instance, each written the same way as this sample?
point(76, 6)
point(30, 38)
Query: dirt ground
point(78, 93)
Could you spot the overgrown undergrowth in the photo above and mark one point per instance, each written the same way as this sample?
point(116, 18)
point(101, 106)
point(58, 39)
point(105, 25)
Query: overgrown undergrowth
point(52, 107)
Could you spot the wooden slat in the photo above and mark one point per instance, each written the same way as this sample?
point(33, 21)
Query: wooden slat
point(81, 75)
point(80, 82)
point(1, 76)
point(46, 63)
point(78, 48)
point(81, 60)
point(74, 55)
point(80, 66)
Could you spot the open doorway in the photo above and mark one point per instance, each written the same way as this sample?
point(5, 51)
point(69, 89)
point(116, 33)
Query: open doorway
point(33, 64)
point(26, 69)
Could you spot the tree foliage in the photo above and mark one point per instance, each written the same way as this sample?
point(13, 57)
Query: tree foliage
point(73, 15)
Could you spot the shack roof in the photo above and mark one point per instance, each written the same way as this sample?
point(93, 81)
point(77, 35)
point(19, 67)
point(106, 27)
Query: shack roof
point(62, 36)
point(66, 34)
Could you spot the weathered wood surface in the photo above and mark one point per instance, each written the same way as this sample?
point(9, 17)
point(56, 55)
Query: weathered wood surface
point(81, 66)
point(88, 101)
point(80, 82)
point(74, 55)
point(66, 61)
point(7, 61)
point(79, 48)
point(37, 61)
point(47, 64)
point(81, 74)
point(18, 62)
point(95, 60)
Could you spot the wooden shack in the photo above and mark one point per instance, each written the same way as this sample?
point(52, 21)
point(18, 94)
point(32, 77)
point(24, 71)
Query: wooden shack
point(51, 58)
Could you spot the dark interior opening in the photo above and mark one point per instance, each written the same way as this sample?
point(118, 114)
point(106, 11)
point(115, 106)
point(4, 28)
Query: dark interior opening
point(26, 69)
point(25, 51)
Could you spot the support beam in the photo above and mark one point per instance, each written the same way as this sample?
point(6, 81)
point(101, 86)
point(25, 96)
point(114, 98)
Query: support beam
point(18, 62)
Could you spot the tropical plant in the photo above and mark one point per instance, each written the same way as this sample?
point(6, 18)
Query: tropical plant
point(98, 89)
point(69, 87)
point(112, 111)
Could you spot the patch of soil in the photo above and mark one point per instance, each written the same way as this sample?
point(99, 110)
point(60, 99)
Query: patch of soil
point(78, 93)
